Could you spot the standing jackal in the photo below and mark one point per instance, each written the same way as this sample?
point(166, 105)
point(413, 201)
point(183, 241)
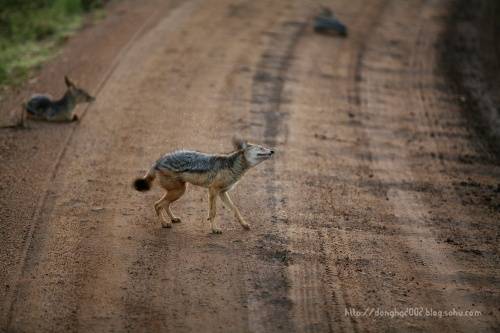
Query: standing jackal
point(218, 173)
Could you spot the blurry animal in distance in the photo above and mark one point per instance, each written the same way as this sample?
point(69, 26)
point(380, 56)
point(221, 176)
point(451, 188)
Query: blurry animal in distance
point(44, 107)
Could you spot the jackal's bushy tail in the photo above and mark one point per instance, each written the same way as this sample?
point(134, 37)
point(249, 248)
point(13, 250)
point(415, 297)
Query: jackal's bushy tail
point(144, 184)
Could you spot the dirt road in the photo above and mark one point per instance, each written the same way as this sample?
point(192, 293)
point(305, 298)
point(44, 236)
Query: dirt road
point(380, 196)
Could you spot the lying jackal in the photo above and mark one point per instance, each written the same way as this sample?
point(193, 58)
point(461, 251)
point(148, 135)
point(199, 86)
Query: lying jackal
point(45, 108)
point(218, 173)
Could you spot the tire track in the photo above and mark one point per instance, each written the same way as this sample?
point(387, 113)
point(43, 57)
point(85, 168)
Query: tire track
point(319, 275)
point(43, 201)
point(266, 111)
point(338, 282)
point(455, 140)
point(318, 289)
point(309, 281)
point(69, 251)
point(404, 125)
point(407, 205)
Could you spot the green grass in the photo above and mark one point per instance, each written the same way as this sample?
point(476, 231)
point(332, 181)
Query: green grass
point(32, 30)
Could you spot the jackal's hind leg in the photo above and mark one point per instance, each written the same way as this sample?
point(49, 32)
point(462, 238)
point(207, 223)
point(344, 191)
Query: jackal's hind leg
point(158, 209)
point(172, 195)
point(158, 204)
point(226, 199)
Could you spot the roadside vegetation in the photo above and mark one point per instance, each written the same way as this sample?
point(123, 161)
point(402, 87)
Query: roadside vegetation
point(32, 30)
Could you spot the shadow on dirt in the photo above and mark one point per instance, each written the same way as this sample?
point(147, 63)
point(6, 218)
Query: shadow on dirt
point(470, 58)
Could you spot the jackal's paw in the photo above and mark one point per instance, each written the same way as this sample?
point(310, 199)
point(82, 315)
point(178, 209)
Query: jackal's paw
point(176, 220)
point(166, 225)
point(245, 226)
point(216, 231)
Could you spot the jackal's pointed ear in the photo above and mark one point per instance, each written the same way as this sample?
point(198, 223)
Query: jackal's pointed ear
point(239, 143)
point(68, 82)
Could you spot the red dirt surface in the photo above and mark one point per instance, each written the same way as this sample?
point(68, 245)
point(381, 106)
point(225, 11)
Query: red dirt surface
point(381, 196)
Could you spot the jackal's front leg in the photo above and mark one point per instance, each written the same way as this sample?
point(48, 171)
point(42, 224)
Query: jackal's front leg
point(23, 122)
point(212, 198)
point(226, 199)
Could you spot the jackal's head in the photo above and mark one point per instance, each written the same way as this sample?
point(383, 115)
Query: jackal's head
point(254, 154)
point(80, 95)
